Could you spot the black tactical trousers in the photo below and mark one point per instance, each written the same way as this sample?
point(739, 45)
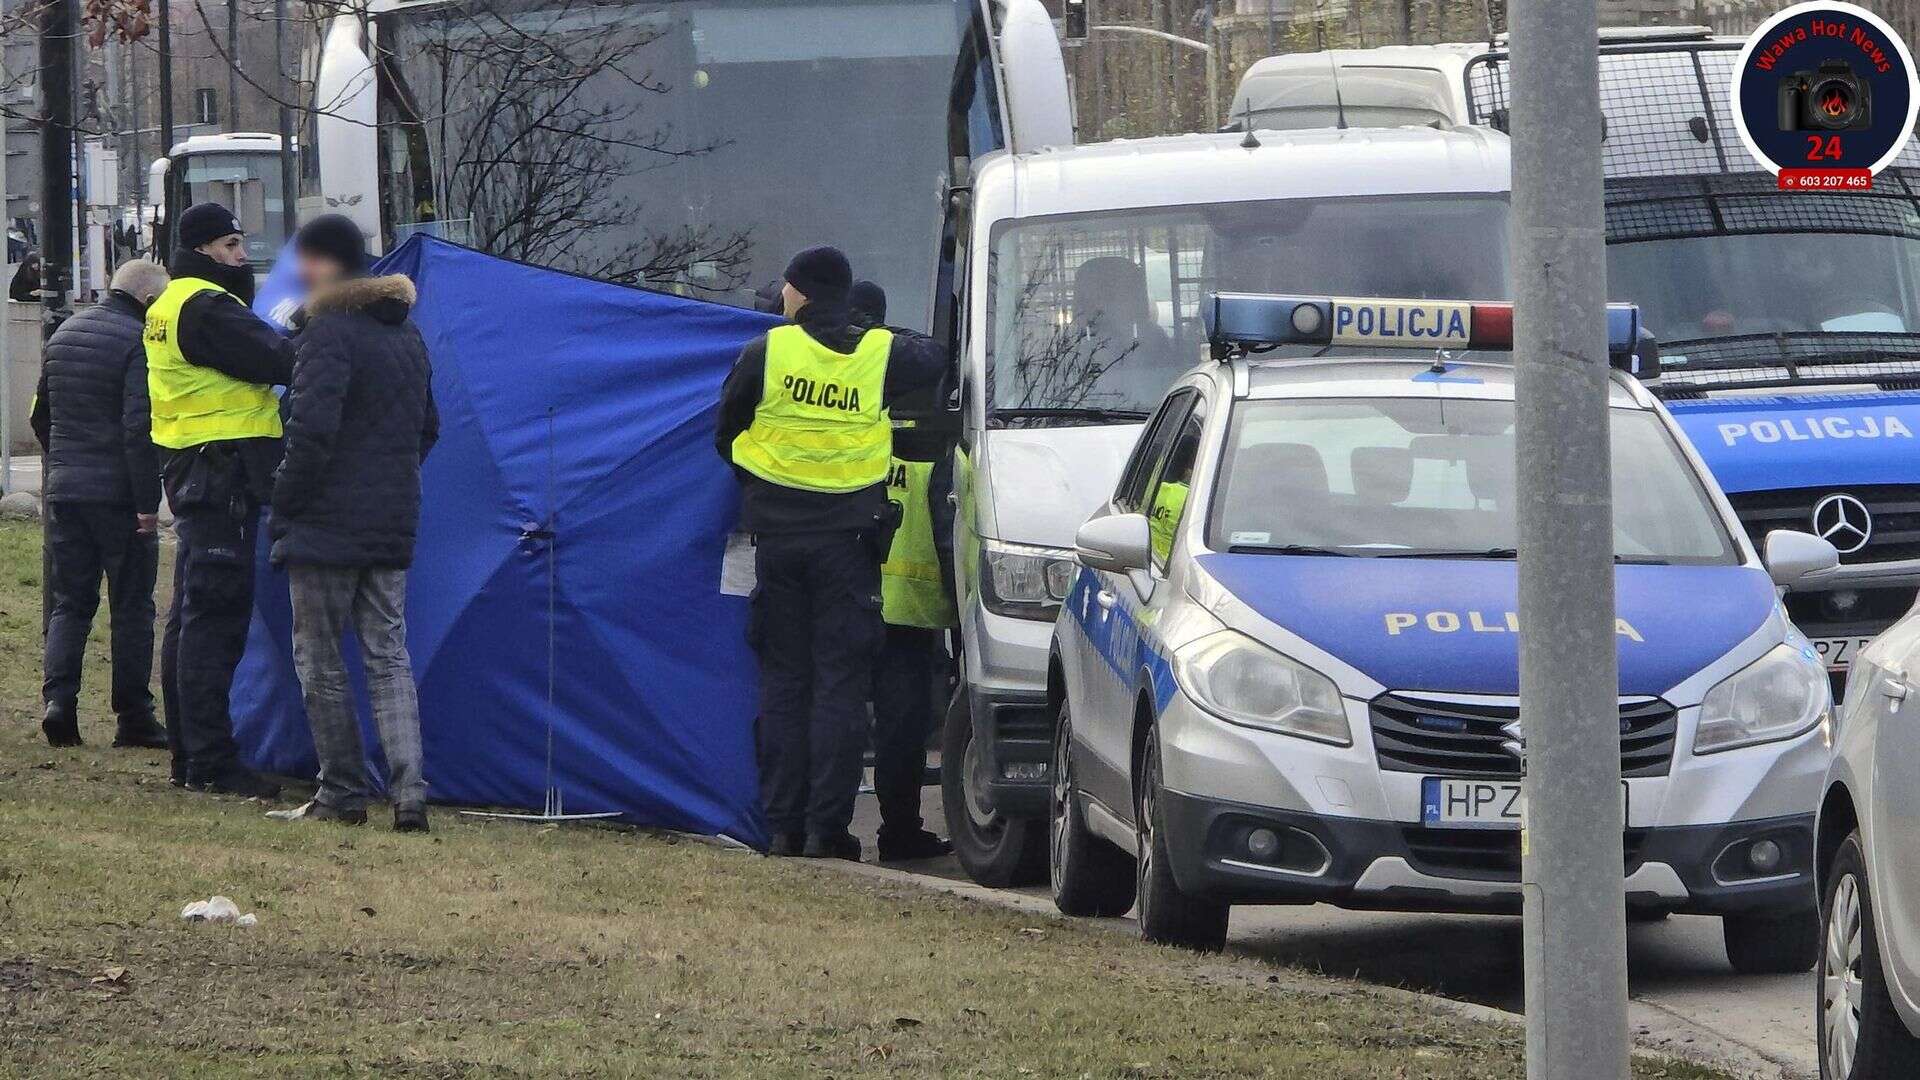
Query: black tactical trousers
point(903, 714)
point(206, 635)
point(816, 626)
point(84, 541)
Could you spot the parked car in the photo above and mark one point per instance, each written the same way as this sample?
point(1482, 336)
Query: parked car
point(1286, 670)
point(1868, 857)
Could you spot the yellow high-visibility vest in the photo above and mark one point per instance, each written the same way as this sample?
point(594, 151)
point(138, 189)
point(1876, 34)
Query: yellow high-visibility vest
point(1169, 503)
point(912, 592)
point(193, 404)
point(821, 424)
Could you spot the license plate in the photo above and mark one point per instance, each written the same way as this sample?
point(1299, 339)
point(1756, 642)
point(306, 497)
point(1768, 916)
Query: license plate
point(1479, 804)
point(1838, 652)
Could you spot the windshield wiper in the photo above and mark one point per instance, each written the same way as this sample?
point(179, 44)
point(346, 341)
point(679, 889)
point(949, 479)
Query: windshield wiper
point(1093, 415)
point(1289, 549)
point(1484, 553)
point(1642, 560)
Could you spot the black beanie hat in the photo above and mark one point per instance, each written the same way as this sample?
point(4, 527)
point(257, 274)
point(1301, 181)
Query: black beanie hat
point(336, 237)
point(206, 222)
point(821, 273)
point(868, 299)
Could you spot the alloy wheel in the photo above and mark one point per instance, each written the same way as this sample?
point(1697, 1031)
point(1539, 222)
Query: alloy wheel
point(1841, 985)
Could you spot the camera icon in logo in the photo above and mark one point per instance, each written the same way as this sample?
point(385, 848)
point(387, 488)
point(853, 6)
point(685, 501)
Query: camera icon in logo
point(1830, 98)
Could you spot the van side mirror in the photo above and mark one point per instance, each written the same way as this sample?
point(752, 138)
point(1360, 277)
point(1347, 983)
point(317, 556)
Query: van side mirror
point(1116, 543)
point(1792, 557)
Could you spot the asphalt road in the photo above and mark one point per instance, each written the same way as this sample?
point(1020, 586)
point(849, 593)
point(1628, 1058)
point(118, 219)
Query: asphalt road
point(1684, 995)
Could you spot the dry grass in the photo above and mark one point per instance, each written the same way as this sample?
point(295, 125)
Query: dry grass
point(501, 950)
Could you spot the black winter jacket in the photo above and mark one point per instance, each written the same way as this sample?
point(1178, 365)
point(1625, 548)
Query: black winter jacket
point(361, 421)
point(223, 333)
point(90, 411)
point(915, 363)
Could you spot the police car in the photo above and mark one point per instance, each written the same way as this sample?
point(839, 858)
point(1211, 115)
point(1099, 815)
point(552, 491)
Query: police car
point(1286, 669)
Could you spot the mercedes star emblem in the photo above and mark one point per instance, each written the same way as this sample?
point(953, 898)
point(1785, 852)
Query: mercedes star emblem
point(1843, 521)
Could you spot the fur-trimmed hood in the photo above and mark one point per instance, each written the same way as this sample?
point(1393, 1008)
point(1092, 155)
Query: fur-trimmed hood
point(387, 298)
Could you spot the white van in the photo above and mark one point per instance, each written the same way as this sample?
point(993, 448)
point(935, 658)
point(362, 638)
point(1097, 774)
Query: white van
point(1079, 275)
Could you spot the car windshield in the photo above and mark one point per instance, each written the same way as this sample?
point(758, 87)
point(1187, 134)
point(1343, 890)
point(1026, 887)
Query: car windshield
point(1720, 286)
point(1423, 477)
point(1093, 315)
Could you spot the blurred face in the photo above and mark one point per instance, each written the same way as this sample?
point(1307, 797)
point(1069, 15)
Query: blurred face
point(315, 271)
point(229, 250)
point(791, 300)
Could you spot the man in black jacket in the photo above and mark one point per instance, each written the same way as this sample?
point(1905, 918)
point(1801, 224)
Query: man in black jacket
point(800, 423)
point(102, 485)
point(211, 367)
point(346, 506)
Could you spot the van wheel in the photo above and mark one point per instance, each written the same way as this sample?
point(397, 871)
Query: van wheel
point(1772, 944)
point(1861, 1037)
point(994, 850)
point(1090, 876)
point(1167, 915)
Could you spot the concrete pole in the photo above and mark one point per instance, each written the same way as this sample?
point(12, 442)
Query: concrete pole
point(163, 233)
point(1575, 932)
point(288, 86)
point(6, 315)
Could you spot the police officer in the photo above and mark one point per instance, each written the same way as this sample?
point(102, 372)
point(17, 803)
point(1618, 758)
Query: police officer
point(211, 369)
point(916, 602)
point(803, 418)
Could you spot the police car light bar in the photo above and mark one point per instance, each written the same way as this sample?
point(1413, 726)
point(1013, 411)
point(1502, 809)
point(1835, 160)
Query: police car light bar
point(1258, 320)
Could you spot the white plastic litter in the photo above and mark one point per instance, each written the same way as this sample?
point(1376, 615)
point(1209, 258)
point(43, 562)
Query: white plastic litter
point(294, 814)
point(217, 909)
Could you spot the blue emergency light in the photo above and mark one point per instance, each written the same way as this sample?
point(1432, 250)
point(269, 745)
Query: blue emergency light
point(1239, 321)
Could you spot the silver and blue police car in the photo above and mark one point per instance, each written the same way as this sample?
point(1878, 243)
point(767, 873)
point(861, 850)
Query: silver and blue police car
point(1287, 667)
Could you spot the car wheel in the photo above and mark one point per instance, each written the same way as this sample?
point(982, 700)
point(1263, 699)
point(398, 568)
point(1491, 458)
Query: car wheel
point(1090, 876)
point(1861, 1037)
point(1167, 915)
point(1771, 944)
point(994, 850)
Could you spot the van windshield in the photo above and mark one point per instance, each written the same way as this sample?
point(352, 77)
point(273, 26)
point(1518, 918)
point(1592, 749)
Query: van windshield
point(1421, 477)
point(1092, 316)
point(1723, 285)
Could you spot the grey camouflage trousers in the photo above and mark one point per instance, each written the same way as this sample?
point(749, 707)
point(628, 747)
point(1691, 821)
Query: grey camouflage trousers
point(325, 600)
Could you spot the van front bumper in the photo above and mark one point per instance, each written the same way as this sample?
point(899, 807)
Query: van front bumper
point(1398, 866)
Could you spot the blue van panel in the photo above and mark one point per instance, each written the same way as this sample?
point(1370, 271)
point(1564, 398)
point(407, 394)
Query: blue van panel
point(1448, 626)
point(1788, 441)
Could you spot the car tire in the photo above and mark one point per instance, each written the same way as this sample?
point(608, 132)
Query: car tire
point(1089, 875)
point(1772, 944)
point(1168, 916)
point(994, 850)
point(1882, 1047)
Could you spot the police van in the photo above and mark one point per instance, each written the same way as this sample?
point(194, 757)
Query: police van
point(1079, 275)
point(1286, 666)
point(1791, 326)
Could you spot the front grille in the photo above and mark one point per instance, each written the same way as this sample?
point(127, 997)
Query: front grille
point(1426, 735)
point(1487, 854)
point(1895, 510)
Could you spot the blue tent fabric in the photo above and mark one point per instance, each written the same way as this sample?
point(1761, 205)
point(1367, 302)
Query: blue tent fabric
point(576, 419)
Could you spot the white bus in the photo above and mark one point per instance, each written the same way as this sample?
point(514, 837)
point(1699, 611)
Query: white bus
point(240, 170)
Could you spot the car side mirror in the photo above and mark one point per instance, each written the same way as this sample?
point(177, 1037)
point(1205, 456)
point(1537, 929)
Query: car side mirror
point(1792, 557)
point(1117, 543)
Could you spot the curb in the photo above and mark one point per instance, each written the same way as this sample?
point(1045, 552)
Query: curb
point(1656, 1030)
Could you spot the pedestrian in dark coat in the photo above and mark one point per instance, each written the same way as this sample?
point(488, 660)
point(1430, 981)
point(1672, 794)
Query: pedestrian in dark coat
point(102, 489)
point(346, 505)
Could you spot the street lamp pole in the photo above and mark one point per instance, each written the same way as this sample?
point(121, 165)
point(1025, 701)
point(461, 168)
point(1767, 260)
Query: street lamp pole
point(1575, 936)
point(1206, 50)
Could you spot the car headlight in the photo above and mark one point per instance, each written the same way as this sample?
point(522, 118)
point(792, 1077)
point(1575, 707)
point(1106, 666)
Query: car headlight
point(1243, 682)
point(1023, 581)
point(1779, 696)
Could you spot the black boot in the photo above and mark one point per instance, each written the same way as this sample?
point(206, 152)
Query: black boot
point(319, 811)
point(237, 780)
point(840, 845)
point(141, 731)
point(918, 844)
point(60, 726)
point(787, 845)
point(409, 819)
